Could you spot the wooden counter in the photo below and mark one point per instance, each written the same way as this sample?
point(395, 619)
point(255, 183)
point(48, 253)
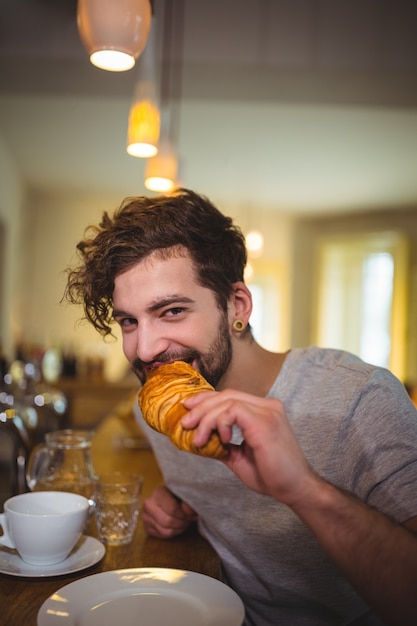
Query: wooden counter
point(21, 598)
point(91, 400)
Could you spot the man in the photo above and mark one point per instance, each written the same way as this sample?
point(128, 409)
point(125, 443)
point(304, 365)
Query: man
point(313, 512)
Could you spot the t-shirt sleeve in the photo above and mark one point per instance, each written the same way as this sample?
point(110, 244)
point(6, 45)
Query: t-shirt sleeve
point(382, 442)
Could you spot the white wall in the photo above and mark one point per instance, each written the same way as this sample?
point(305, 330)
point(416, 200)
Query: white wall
point(54, 225)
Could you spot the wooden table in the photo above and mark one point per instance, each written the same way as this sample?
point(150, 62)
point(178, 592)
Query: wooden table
point(21, 598)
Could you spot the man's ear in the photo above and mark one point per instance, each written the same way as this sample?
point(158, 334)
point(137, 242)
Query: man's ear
point(240, 303)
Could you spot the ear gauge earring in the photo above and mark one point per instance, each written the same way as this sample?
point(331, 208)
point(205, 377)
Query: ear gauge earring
point(238, 325)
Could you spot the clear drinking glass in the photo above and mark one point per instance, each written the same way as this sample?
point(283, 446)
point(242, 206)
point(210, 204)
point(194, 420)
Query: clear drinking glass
point(117, 499)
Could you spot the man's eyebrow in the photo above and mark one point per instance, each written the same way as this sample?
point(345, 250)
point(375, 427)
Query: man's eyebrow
point(120, 313)
point(157, 304)
point(169, 300)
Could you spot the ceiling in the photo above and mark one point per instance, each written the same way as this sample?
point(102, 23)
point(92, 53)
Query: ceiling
point(300, 106)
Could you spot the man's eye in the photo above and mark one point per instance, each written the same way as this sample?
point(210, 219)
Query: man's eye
point(174, 311)
point(127, 321)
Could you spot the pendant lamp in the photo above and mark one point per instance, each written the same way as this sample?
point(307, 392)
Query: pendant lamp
point(144, 118)
point(143, 130)
point(114, 32)
point(162, 170)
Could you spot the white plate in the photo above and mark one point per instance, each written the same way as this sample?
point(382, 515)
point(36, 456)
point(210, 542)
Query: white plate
point(145, 596)
point(86, 552)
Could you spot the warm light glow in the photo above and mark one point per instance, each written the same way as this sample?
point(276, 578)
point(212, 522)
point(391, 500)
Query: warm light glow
point(143, 129)
point(254, 243)
point(162, 170)
point(114, 32)
point(173, 576)
point(112, 60)
point(248, 272)
point(159, 183)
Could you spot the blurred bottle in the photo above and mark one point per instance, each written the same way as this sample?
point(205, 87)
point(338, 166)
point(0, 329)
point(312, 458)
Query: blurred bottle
point(14, 451)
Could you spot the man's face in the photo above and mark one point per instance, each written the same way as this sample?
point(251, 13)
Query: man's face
point(165, 316)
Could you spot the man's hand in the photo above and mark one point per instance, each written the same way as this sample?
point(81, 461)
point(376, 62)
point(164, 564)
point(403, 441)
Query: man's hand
point(270, 460)
point(165, 516)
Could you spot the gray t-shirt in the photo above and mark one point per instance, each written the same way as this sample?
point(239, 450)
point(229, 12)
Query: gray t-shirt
point(358, 430)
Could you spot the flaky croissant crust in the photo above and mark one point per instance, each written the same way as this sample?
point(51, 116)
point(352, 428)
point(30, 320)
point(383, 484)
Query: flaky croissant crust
point(160, 400)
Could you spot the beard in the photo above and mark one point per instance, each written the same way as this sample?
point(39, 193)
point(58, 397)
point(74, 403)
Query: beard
point(211, 364)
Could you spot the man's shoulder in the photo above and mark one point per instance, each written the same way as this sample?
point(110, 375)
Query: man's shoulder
point(327, 358)
point(313, 367)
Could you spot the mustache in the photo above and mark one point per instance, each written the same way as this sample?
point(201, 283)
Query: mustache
point(140, 367)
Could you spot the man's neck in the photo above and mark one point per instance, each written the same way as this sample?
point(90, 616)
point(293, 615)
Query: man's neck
point(252, 369)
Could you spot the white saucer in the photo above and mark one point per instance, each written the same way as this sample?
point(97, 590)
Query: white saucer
point(86, 552)
point(149, 596)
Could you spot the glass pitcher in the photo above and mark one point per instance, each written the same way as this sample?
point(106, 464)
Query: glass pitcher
point(63, 463)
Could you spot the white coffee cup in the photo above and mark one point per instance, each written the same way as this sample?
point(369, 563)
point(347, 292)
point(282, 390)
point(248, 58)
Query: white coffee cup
point(43, 526)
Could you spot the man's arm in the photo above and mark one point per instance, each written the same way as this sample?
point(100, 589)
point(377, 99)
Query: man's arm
point(376, 555)
point(411, 524)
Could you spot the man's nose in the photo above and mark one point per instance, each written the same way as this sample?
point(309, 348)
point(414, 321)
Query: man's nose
point(150, 344)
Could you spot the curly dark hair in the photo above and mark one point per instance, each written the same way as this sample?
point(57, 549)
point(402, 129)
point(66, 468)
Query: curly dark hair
point(139, 227)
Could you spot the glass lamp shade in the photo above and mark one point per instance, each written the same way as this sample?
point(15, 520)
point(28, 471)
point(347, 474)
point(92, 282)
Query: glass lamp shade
point(143, 128)
point(144, 117)
point(114, 32)
point(161, 170)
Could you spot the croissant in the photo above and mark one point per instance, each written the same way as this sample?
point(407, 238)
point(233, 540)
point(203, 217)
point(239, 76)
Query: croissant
point(160, 400)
